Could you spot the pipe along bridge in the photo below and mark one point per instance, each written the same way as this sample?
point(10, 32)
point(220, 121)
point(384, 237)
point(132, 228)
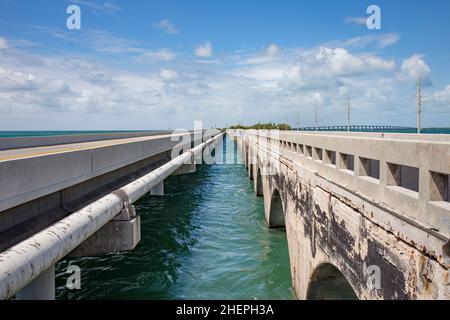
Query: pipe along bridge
point(74, 195)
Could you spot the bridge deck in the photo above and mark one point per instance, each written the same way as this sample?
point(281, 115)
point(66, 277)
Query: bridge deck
point(21, 153)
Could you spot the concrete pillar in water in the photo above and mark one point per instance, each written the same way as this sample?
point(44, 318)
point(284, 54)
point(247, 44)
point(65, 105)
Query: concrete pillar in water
point(185, 169)
point(41, 288)
point(158, 190)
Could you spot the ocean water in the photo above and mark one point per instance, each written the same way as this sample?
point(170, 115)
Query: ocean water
point(205, 239)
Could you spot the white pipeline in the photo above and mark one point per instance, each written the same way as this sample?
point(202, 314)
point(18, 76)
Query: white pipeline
point(25, 261)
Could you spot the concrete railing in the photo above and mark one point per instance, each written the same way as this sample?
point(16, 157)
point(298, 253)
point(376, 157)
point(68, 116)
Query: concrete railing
point(406, 173)
point(28, 178)
point(7, 143)
point(39, 141)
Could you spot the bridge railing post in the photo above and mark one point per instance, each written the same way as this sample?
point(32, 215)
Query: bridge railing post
point(424, 184)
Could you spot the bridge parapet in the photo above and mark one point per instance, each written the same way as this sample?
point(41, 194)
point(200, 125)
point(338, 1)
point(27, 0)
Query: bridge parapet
point(366, 216)
point(407, 175)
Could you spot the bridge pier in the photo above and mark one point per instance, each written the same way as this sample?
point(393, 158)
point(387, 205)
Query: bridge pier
point(115, 236)
point(186, 169)
point(41, 288)
point(158, 190)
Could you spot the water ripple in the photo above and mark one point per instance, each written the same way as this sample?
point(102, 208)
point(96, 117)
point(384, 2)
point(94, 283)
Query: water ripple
point(206, 239)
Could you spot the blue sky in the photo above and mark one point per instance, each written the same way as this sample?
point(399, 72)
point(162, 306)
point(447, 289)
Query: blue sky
point(163, 64)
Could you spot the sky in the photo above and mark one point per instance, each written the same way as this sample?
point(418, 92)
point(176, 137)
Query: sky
point(138, 65)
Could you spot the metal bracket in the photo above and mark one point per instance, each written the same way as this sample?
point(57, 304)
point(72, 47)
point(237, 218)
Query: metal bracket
point(128, 212)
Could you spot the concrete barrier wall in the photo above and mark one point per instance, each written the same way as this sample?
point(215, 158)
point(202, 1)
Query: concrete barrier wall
point(354, 223)
point(430, 157)
point(23, 180)
point(28, 142)
point(377, 135)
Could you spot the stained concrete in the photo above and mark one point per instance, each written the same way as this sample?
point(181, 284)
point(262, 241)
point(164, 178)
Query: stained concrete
point(356, 224)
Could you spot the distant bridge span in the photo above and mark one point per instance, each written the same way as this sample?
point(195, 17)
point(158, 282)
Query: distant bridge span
point(368, 128)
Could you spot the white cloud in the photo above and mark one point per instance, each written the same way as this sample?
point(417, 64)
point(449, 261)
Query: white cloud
point(167, 26)
point(269, 54)
point(414, 68)
point(272, 50)
point(342, 63)
point(269, 84)
point(356, 20)
point(157, 55)
point(380, 41)
point(17, 81)
point(441, 98)
point(106, 8)
point(388, 40)
point(168, 75)
point(3, 44)
point(204, 51)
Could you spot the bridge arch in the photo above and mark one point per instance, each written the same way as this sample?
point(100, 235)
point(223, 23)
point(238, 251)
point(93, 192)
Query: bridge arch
point(328, 283)
point(276, 214)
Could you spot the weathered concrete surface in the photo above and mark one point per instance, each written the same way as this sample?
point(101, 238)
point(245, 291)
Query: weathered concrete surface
point(186, 169)
point(27, 174)
point(158, 190)
point(340, 230)
point(115, 236)
point(40, 186)
point(37, 141)
point(108, 224)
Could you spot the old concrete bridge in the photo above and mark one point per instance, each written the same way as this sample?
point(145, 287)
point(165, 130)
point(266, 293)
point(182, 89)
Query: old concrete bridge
point(367, 215)
point(73, 196)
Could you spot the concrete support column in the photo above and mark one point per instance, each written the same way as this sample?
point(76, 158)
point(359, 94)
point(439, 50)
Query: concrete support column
point(362, 166)
point(41, 288)
point(393, 177)
point(427, 189)
point(340, 161)
point(185, 169)
point(383, 172)
point(327, 157)
point(158, 190)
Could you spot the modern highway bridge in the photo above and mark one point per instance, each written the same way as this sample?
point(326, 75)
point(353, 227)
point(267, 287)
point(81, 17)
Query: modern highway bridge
point(73, 196)
point(367, 215)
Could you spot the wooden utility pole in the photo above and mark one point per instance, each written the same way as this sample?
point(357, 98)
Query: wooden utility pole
point(419, 107)
point(317, 112)
point(348, 113)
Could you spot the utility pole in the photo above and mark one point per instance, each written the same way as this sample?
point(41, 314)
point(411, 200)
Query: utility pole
point(348, 113)
point(298, 121)
point(317, 112)
point(419, 107)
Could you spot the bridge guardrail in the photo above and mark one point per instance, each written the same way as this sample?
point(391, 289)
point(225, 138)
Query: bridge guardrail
point(408, 175)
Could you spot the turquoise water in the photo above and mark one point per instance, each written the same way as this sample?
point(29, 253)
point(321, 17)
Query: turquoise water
point(205, 239)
